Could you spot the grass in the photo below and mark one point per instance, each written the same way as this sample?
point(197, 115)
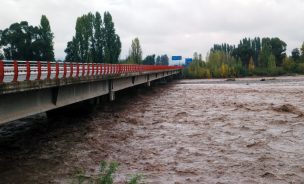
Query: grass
point(105, 176)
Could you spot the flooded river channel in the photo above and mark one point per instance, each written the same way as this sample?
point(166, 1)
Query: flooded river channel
point(188, 131)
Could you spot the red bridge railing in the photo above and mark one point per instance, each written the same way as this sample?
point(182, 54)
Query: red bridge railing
point(13, 71)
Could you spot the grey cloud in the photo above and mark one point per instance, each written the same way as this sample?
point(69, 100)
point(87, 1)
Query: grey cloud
point(169, 26)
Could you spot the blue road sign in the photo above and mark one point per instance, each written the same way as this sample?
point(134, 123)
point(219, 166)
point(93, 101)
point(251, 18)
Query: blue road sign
point(188, 60)
point(176, 58)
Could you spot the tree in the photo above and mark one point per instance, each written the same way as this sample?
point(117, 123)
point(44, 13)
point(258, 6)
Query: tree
point(1, 54)
point(164, 60)
point(112, 44)
point(116, 49)
point(94, 40)
point(158, 60)
point(302, 52)
point(84, 38)
point(223, 47)
point(245, 51)
point(278, 49)
point(288, 64)
point(46, 40)
point(22, 41)
point(72, 51)
point(271, 63)
point(224, 70)
point(295, 54)
point(251, 66)
point(149, 60)
point(136, 51)
point(98, 38)
point(17, 42)
point(265, 52)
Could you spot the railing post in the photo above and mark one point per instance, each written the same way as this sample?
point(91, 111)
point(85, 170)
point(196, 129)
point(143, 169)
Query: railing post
point(88, 71)
point(97, 69)
point(77, 70)
point(28, 70)
point(15, 63)
point(57, 71)
point(48, 70)
point(93, 69)
point(38, 70)
point(83, 70)
point(1, 71)
point(71, 69)
point(64, 70)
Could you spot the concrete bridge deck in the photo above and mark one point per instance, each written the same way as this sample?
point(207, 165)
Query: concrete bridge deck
point(28, 88)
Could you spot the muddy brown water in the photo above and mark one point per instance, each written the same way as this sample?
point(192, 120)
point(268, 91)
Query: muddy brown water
point(191, 131)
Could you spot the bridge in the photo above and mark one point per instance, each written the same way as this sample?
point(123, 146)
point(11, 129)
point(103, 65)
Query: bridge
point(32, 87)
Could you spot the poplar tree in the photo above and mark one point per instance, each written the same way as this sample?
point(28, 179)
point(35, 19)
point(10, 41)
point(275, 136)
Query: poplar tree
point(251, 66)
point(94, 41)
point(47, 36)
point(98, 38)
point(271, 64)
point(136, 51)
point(112, 44)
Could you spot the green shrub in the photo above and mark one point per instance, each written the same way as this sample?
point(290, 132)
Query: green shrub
point(300, 68)
point(105, 175)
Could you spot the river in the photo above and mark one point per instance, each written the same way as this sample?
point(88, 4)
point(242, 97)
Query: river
point(188, 131)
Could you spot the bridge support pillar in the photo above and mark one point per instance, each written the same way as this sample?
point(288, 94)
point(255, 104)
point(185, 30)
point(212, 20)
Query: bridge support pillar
point(149, 83)
point(112, 95)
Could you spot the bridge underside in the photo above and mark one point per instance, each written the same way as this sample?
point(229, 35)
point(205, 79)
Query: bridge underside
point(22, 103)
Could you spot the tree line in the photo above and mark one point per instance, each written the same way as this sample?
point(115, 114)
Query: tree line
point(135, 56)
point(260, 57)
point(25, 42)
point(95, 40)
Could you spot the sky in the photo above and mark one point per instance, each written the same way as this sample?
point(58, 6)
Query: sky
point(173, 27)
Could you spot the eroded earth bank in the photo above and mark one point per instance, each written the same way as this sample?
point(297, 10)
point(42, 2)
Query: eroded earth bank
point(191, 131)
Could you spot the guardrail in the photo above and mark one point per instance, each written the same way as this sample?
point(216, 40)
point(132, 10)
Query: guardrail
point(13, 71)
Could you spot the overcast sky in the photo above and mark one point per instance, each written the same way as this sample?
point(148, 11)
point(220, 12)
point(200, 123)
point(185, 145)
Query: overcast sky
point(174, 27)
